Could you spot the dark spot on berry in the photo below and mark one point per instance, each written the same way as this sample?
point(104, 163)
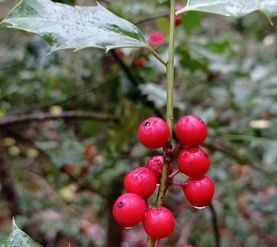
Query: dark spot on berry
point(158, 209)
point(147, 124)
point(120, 204)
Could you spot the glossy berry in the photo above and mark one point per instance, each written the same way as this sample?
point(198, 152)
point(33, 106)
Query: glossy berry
point(155, 164)
point(191, 131)
point(199, 192)
point(153, 132)
point(159, 222)
point(129, 209)
point(193, 162)
point(140, 181)
point(156, 38)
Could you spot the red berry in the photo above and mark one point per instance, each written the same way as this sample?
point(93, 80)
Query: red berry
point(193, 162)
point(155, 164)
point(129, 209)
point(84, 170)
point(153, 132)
point(140, 181)
point(119, 52)
point(178, 20)
point(156, 38)
point(69, 169)
point(90, 151)
point(159, 222)
point(199, 192)
point(191, 130)
point(139, 62)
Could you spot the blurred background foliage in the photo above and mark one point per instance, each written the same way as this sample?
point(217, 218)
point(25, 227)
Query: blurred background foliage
point(59, 178)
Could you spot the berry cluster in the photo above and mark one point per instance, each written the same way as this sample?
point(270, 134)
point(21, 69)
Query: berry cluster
point(140, 183)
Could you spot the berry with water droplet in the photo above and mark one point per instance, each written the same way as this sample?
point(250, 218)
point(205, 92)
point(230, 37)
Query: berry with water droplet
point(159, 222)
point(140, 181)
point(193, 162)
point(199, 192)
point(153, 132)
point(129, 209)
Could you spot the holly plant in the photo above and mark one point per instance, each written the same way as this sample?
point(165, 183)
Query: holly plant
point(76, 27)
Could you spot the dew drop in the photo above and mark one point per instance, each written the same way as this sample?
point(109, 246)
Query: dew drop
point(199, 207)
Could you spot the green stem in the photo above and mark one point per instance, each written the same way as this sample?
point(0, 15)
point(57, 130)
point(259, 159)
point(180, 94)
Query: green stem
point(170, 69)
point(169, 112)
point(158, 56)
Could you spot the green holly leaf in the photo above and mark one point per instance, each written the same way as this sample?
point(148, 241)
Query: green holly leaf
point(66, 27)
point(236, 8)
point(18, 238)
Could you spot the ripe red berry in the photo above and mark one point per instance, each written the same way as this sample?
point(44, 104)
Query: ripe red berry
point(159, 222)
point(139, 62)
point(84, 171)
point(90, 152)
point(178, 18)
point(119, 52)
point(153, 132)
point(129, 209)
point(155, 164)
point(191, 130)
point(199, 192)
point(140, 181)
point(156, 38)
point(193, 162)
point(69, 169)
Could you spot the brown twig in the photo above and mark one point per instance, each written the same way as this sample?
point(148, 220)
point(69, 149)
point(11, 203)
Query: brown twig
point(152, 18)
point(242, 159)
point(43, 116)
point(135, 80)
point(215, 226)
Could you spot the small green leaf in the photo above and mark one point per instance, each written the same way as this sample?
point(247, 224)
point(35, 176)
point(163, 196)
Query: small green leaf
point(66, 27)
point(18, 238)
point(236, 8)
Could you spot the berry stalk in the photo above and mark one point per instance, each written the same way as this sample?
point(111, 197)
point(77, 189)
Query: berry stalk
point(169, 112)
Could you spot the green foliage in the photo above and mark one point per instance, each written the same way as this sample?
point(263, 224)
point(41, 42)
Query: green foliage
point(236, 8)
point(66, 27)
point(18, 238)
